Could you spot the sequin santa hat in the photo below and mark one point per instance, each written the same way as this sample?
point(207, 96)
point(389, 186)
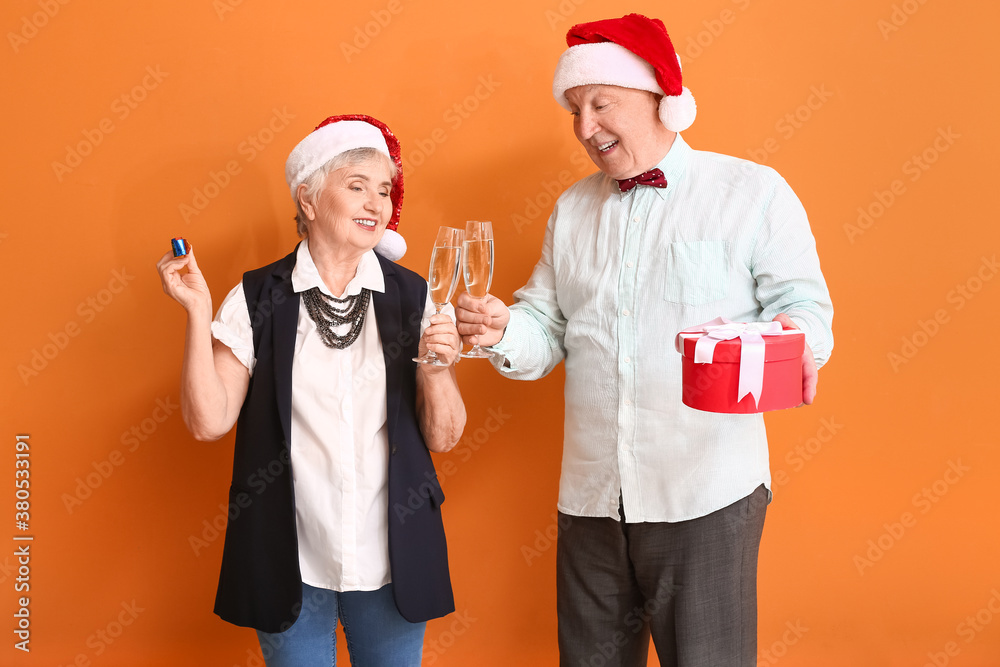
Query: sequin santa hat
point(336, 135)
point(632, 52)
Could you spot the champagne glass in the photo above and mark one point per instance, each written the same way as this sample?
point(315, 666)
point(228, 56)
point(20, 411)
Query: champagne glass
point(442, 277)
point(477, 267)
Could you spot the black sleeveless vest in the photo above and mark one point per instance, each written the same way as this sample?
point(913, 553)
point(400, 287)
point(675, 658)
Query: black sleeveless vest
point(260, 585)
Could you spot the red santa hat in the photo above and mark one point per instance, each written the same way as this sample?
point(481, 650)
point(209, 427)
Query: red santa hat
point(632, 52)
point(338, 134)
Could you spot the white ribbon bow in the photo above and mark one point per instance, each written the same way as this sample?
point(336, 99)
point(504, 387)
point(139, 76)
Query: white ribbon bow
point(751, 349)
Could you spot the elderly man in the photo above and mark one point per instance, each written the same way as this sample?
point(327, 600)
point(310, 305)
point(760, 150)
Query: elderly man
point(661, 506)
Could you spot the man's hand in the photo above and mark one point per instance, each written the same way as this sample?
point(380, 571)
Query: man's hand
point(481, 321)
point(810, 374)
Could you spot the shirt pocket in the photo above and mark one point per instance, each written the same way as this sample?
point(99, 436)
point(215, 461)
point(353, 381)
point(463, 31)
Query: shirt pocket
point(697, 272)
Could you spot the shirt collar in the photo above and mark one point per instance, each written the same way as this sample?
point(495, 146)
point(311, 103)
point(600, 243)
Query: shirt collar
point(305, 275)
point(673, 165)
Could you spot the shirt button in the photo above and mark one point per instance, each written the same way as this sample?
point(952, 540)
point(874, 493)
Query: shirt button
point(628, 402)
point(636, 219)
point(625, 312)
point(630, 265)
point(627, 360)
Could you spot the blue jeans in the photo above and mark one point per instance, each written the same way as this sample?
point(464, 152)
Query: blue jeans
point(376, 633)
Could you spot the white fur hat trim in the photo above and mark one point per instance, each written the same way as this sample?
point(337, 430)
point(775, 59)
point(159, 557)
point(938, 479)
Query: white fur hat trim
point(326, 143)
point(392, 245)
point(610, 64)
point(603, 63)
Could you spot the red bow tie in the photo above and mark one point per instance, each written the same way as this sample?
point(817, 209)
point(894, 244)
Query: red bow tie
point(654, 178)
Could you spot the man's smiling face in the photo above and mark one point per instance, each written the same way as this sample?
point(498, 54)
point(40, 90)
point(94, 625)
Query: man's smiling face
point(619, 127)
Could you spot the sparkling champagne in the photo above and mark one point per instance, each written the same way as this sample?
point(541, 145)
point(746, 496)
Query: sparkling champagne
point(477, 263)
point(444, 273)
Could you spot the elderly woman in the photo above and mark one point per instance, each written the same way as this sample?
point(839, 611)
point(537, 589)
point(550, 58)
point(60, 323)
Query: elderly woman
point(334, 504)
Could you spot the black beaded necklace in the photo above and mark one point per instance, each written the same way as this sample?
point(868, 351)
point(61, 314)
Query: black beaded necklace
point(328, 312)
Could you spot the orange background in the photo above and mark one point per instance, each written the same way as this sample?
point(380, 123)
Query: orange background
point(868, 570)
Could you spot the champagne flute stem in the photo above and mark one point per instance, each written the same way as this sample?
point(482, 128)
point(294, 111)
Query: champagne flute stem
point(476, 348)
point(431, 354)
point(477, 352)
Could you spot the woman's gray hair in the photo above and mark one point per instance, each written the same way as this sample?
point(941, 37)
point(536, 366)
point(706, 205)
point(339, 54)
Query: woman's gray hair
point(314, 181)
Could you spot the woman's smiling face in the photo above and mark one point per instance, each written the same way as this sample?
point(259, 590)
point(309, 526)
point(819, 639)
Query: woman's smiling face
point(354, 206)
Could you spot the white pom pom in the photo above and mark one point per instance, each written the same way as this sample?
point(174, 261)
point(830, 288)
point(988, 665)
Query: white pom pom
point(677, 112)
point(392, 246)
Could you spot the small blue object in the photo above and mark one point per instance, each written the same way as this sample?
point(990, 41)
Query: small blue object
point(179, 246)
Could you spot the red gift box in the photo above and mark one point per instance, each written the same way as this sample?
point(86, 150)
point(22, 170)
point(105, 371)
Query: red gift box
point(741, 368)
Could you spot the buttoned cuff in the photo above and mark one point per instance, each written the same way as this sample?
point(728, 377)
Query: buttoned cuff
point(506, 351)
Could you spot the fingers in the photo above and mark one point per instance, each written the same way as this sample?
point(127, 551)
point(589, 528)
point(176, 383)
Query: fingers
point(188, 288)
point(480, 334)
point(468, 303)
point(472, 329)
point(810, 373)
point(193, 262)
point(471, 332)
point(168, 267)
point(486, 318)
point(169, 262)
point(785, 321)
point(810, 376)
point(472, 317)
point(163, 260)
point(443, 326)
point(442, 332)
point(464, 316)
point(469, 311)
point(442, 337)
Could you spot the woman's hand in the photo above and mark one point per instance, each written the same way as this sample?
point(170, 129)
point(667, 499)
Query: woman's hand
point(188, 289)
point(213, 381)
point(440, 408)
point(442, 338)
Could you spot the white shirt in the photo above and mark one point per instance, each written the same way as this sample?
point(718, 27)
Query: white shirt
point(620, 274)
point(339, 443)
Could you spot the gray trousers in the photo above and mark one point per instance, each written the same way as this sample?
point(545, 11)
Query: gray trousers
point(691, 585)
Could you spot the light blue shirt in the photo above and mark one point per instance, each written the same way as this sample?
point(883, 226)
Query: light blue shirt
point(619, 276)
